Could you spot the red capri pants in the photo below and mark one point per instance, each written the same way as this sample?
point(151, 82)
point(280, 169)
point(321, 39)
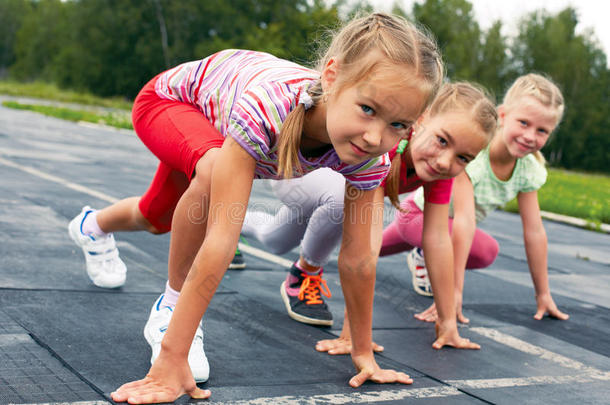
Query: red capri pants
point(178, 134)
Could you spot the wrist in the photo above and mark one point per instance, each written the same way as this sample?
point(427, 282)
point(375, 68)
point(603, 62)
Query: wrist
point(446, 324)
point(362, 352)
point(173, 350)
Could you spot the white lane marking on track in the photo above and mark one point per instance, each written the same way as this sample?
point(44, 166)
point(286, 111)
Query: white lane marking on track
point(355, 398)
point(59, 180)
point(105, 197)
point(526, 381)
point(270, 257)
point(534, 350)
point(70, 403)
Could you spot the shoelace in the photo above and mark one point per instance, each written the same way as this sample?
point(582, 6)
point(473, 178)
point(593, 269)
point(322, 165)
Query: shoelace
point(311, 288)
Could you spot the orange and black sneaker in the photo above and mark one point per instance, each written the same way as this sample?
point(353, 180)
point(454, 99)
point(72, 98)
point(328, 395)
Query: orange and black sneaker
point(302, 295)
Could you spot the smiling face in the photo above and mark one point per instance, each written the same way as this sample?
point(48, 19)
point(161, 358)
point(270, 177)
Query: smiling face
point(367, 119)
point(444, 144)
point(526, 127)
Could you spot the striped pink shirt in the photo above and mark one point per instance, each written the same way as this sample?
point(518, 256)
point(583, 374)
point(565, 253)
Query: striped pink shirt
point(247, 95)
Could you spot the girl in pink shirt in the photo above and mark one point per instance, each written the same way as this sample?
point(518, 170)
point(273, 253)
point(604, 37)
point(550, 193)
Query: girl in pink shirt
point(459, 123)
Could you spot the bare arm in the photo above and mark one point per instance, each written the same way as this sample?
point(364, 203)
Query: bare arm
point(357, 262)
point(464, 226)
point(438, 253)
point(226, 213)
point(357, 265)
point(170, 375)
point(536, 247)
point(343, 344)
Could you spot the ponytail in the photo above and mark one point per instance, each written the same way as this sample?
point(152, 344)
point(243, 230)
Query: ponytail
point(392, 182)
point(289, 143)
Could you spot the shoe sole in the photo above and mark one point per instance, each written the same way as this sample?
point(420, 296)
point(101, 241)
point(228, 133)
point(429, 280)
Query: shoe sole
point(414, 280)
point(233, 266)
point(75, 240)
point(298, 317)
point(149, 340)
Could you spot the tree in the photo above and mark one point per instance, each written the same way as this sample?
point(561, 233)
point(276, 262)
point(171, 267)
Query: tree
point(457, 32)
point(492, 65)
point(12, 13)
point(42, 34)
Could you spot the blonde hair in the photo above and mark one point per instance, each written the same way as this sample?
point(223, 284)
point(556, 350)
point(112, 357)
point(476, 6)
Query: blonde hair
point(542, 89)
point(460, 96)
point(400, 42)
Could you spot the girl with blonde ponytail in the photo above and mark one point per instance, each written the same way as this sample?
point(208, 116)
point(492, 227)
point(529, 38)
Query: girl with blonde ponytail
point(218, 123)
point(512, 166)
point(459, 123)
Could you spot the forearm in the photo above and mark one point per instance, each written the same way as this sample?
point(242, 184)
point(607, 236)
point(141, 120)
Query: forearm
point(358, 284)
point(536, 252)
point(357, 262)
point(438, 253)
point(461, 239)
point(224, 220)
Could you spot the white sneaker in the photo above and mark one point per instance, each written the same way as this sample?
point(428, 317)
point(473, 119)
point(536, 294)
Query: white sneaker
point(419, 273)
point(104, 266)
point(155, 329)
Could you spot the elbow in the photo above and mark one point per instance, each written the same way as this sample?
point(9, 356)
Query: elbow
point(359, 266)
point(535, 234)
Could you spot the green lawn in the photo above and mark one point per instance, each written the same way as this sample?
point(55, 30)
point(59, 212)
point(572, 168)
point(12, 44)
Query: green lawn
point(575, 194)
point(119, 119)
point(52, 92)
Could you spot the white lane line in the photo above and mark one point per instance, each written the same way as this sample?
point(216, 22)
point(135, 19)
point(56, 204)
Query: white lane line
point(534, 350)
point(59, 180)
point(526, 381)
point(355, 398)
point(69, 403)
point(261, 254)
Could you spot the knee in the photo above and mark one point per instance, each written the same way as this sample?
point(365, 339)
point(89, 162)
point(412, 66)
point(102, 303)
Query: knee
point(203, 169)
point(145, 225)
point(333, 201)
point(492, 252)
point(488, 255)
point(150, 228)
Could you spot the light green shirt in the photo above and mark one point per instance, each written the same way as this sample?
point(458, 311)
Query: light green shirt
point(491, 192)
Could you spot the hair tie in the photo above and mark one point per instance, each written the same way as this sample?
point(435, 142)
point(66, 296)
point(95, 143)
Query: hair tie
point(306, 100)
point(402, 145)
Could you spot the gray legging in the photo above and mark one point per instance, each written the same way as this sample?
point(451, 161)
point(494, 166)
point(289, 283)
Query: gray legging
point(312, 214)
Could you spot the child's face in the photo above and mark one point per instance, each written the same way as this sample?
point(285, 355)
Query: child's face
point(444, 144)
point(367, 119)
point(526, 127)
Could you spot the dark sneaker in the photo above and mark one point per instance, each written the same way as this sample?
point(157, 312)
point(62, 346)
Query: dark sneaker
point(238, 262)
point(301, 295)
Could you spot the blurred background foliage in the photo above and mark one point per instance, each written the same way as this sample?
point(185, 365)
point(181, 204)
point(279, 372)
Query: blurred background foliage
point(113, 47)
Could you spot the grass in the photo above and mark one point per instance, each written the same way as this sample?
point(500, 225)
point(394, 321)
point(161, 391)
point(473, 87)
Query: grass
point(119, 119)
point(575, 194)
point(52, 92)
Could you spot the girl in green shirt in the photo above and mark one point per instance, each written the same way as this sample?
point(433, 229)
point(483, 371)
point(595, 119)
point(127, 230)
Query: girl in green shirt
point(512, 166)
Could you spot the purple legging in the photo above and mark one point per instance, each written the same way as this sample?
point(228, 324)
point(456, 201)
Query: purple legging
point(405, 233)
